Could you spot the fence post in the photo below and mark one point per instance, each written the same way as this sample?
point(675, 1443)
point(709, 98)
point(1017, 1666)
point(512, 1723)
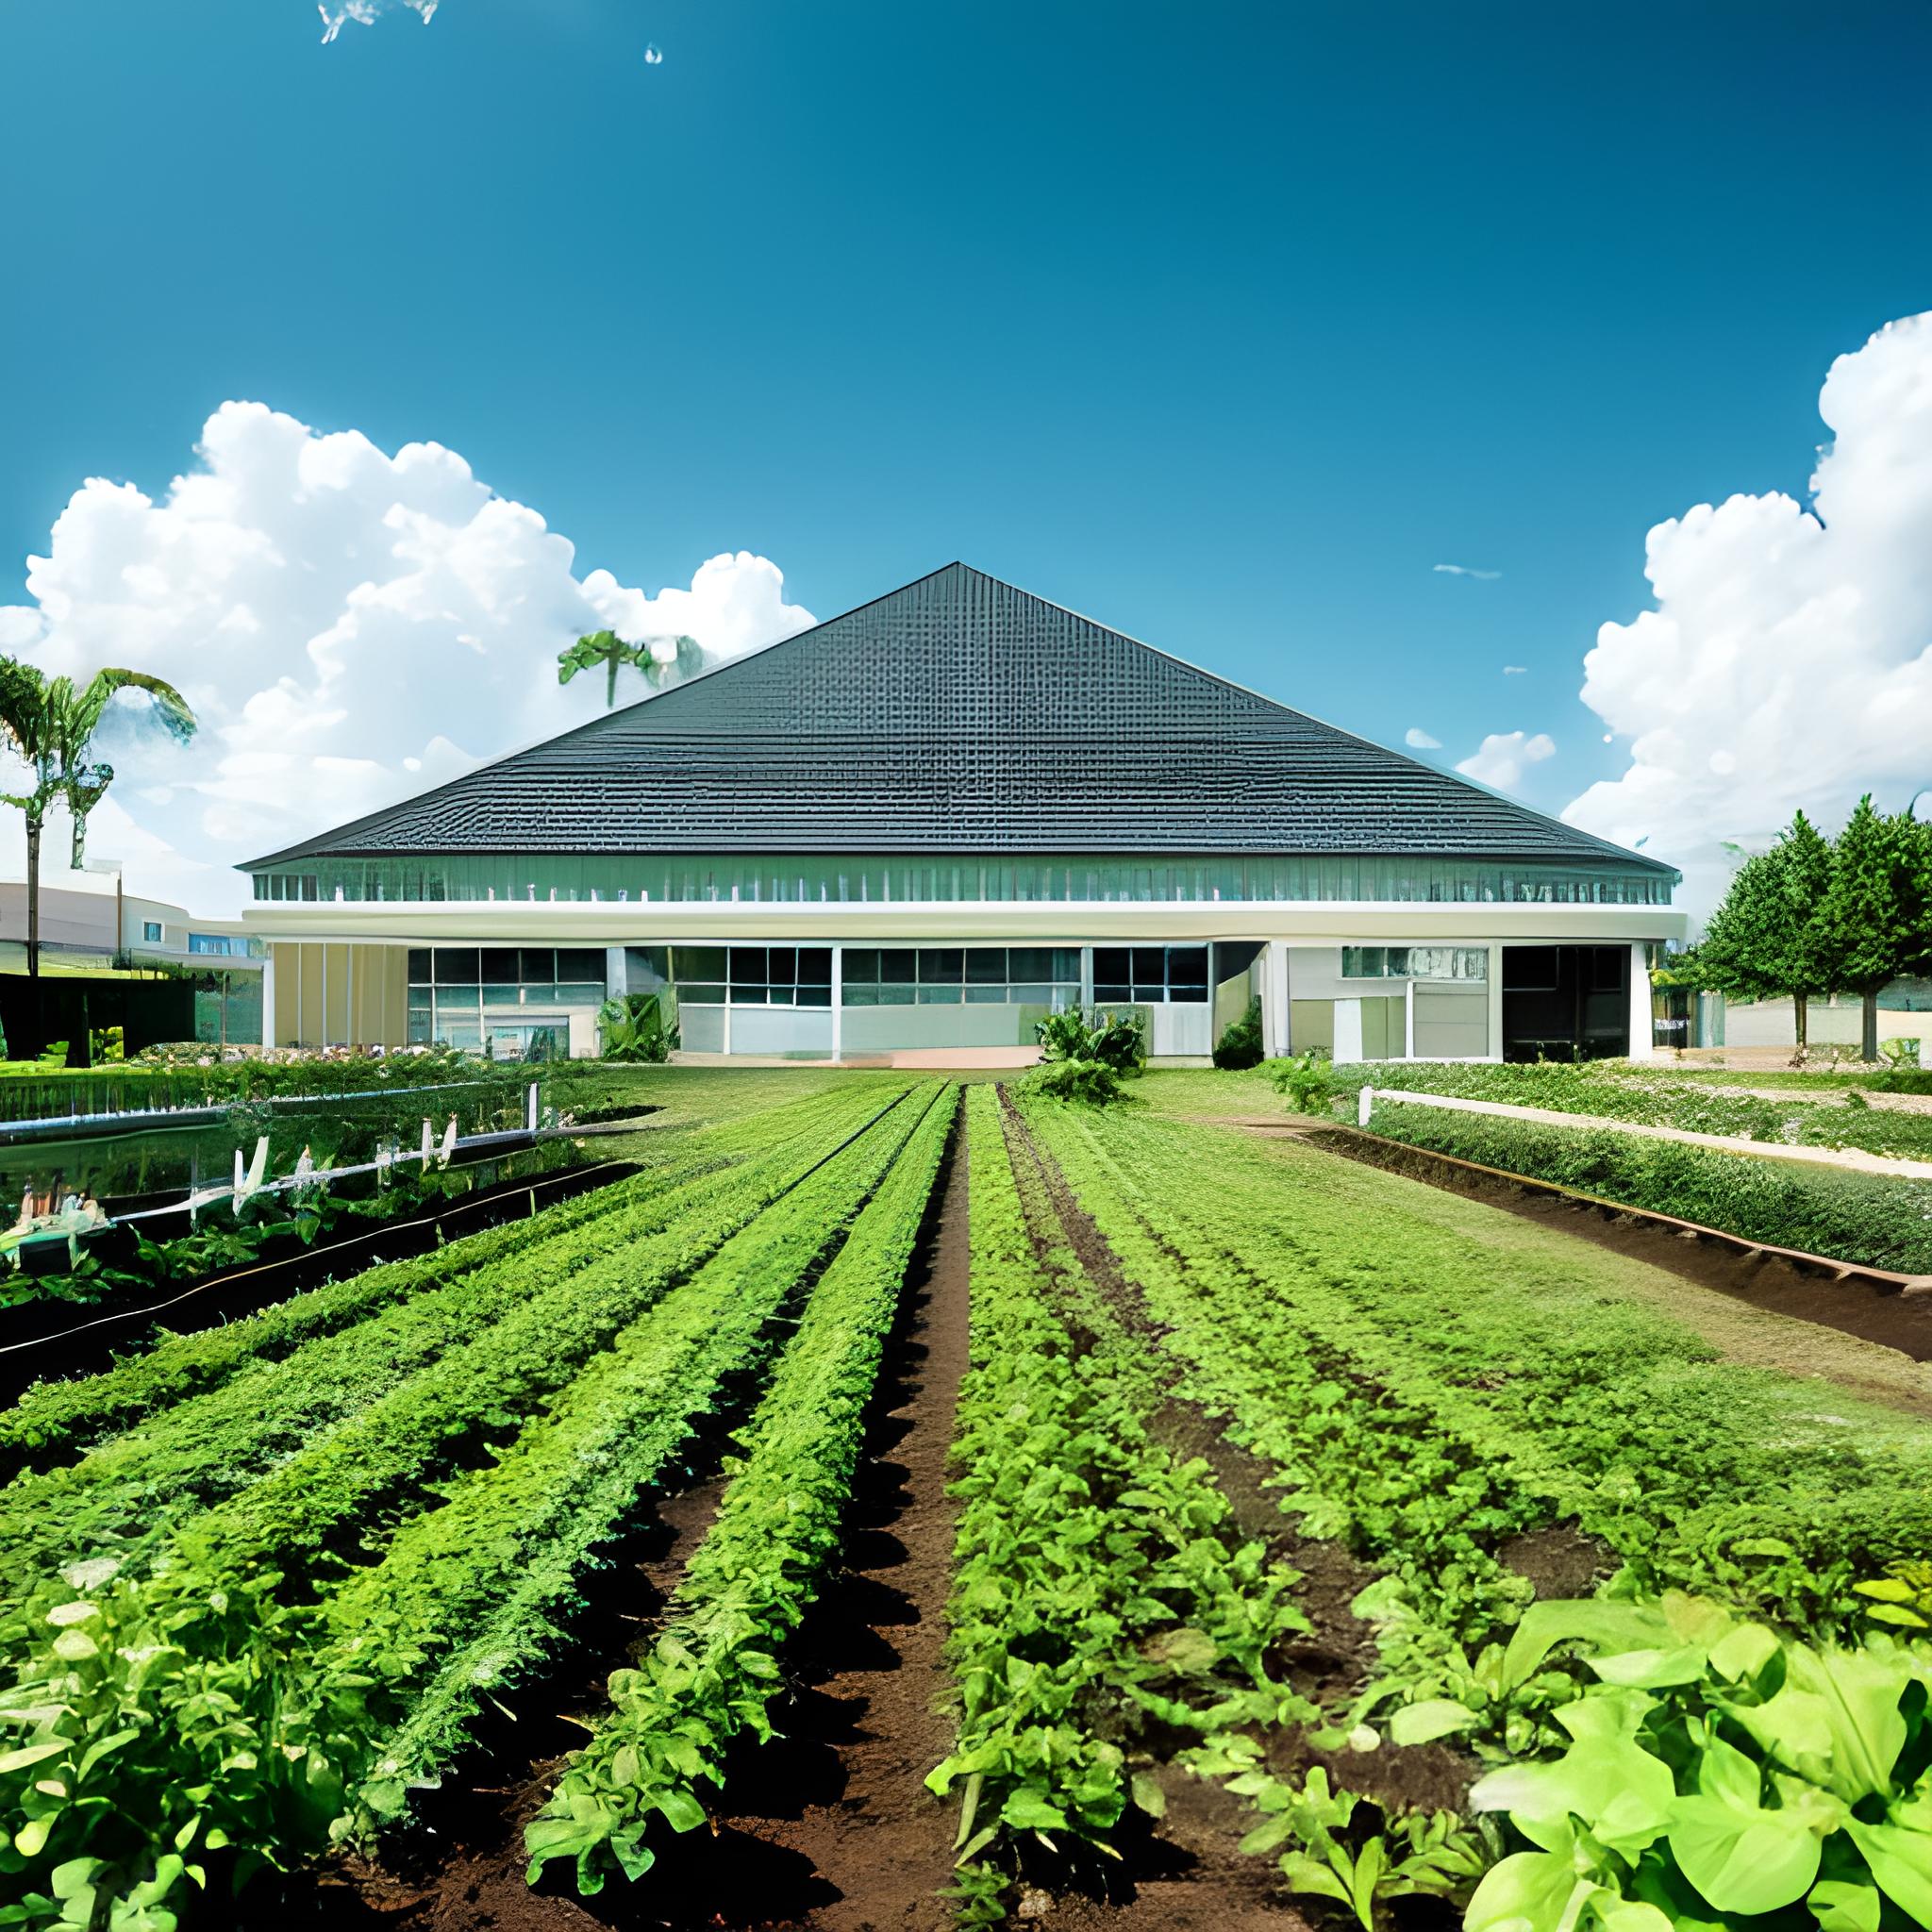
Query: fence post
point(530, 1107)
point(1364, 1103)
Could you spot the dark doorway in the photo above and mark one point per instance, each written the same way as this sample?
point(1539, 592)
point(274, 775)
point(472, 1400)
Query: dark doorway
point(1566, 1002)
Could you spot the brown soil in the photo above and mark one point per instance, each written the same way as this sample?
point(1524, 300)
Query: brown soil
point(1204, 1824)
point(829, 1827)
point(1852, 1307)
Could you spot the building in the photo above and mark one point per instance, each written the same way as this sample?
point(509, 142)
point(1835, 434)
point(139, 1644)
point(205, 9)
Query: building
point(925, 824)
point(90, 921)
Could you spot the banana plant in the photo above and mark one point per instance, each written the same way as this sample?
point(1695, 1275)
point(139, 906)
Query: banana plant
point(606, 650)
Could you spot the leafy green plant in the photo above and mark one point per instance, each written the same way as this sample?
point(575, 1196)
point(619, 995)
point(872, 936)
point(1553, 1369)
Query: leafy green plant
point(716, 1667)
point(1240, 1045)
point(636, 1027)
point(1113, 1039)
point(1307, 1079)
point(1333, 1844)
point(1718, 1772)
point(1091, 1083)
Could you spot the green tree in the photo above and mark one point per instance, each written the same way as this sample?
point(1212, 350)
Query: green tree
point(1804, 877)
point(75, 714)
point(606, 650)
point(1749, 940)
point(49, 724)
point(1871, 925)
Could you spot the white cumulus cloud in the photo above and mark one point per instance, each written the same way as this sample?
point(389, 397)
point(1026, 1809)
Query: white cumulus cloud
point(1419, 740)
point(350, 627)
point(1499, 761)
point(1788, 663)
point(364, 12)
point(1462, 570)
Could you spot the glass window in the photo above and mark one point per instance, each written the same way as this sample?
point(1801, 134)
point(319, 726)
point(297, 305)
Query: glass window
point(1112, 965)
point(457, 966)
point(537, 966)
point(939, 995)
point(421, 999)
point(895, 995)
point(748, 966)
point(1030, 995)
point(500, 966)
point(941, 965)
point(699, 962)
point(781, 964)
point(897, 966)
point(861, 996)
point(702, 992)
point(987, 966)
point(986, 996)
point(815, 995)
point(151, 931)
point(1187, 972)
point(815, 968)
point(421, 1026)
point(581, 963)
point(579, 992)
point(502, 995)
point(861, 967)
point(419, 965)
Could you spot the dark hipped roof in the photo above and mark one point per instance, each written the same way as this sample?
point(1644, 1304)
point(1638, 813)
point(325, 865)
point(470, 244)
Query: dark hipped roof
point(960, 714)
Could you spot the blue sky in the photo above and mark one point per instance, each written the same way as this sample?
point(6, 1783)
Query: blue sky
point(1223, 325)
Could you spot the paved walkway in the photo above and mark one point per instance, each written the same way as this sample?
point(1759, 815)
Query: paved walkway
point(1855, 1158)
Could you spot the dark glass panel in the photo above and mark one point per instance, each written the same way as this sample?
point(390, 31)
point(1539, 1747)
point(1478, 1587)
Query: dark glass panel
point(938, 995)
point(941, 965)
point(1187, 966)
point(580, 963)
point(1111, 967)
point(419, 965)
point(861, 996)
point(815, 995)
point(699, 962)
point(895, 995)
point(1029, 962)
point(781, 967)
point(537, 965)
point(457, 966)
point(747, 966)
point(1066, 963)
point(499, 965)
point(1149, 965)
point(702, 992)
point(1110, 994)
point(986, 966)
point(815, 968)
point(860, 966)
point(897, 966)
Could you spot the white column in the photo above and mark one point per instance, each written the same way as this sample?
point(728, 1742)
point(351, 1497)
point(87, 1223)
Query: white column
point(837, 1002)
point(1641, 1047)
point(268, 999)
point(1276, 1034)
point(1409, 1022)
point(1086, 976)
point(1495, 1000)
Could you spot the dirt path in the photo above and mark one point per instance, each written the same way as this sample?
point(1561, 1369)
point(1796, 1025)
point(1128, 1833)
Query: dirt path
point(884, 1845)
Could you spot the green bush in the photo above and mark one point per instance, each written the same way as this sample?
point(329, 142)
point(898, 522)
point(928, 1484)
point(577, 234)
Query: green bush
point(1240, 1046)
point(634, 1027)
point(1115, 1040)
point(1307, 1079)
point(1093, 1083)
point(1871, 1219)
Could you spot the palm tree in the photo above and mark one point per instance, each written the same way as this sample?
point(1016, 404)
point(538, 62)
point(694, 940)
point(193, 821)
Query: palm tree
point(605, 648)
point(50, 724)
point(77, 713)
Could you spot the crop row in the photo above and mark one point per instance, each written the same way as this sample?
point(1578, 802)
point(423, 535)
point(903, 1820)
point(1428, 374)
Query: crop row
point(200, 1451)
point(717, 1665)
point(57, 1417)
point(210, 1701)
point(1878, 1220)
point(1097, 1574)
point(1563, 1399)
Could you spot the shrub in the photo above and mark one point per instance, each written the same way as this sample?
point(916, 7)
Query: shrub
point(1240, 1046)
point(1091, 1083)
point(1307, 1079)
point(1114, 1040)
point(635, 1028)
point(1871, 1219)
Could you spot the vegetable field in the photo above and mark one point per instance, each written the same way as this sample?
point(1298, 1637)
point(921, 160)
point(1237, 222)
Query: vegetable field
point(901, 1504)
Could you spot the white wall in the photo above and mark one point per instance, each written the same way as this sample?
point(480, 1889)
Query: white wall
point(1827, 1022)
